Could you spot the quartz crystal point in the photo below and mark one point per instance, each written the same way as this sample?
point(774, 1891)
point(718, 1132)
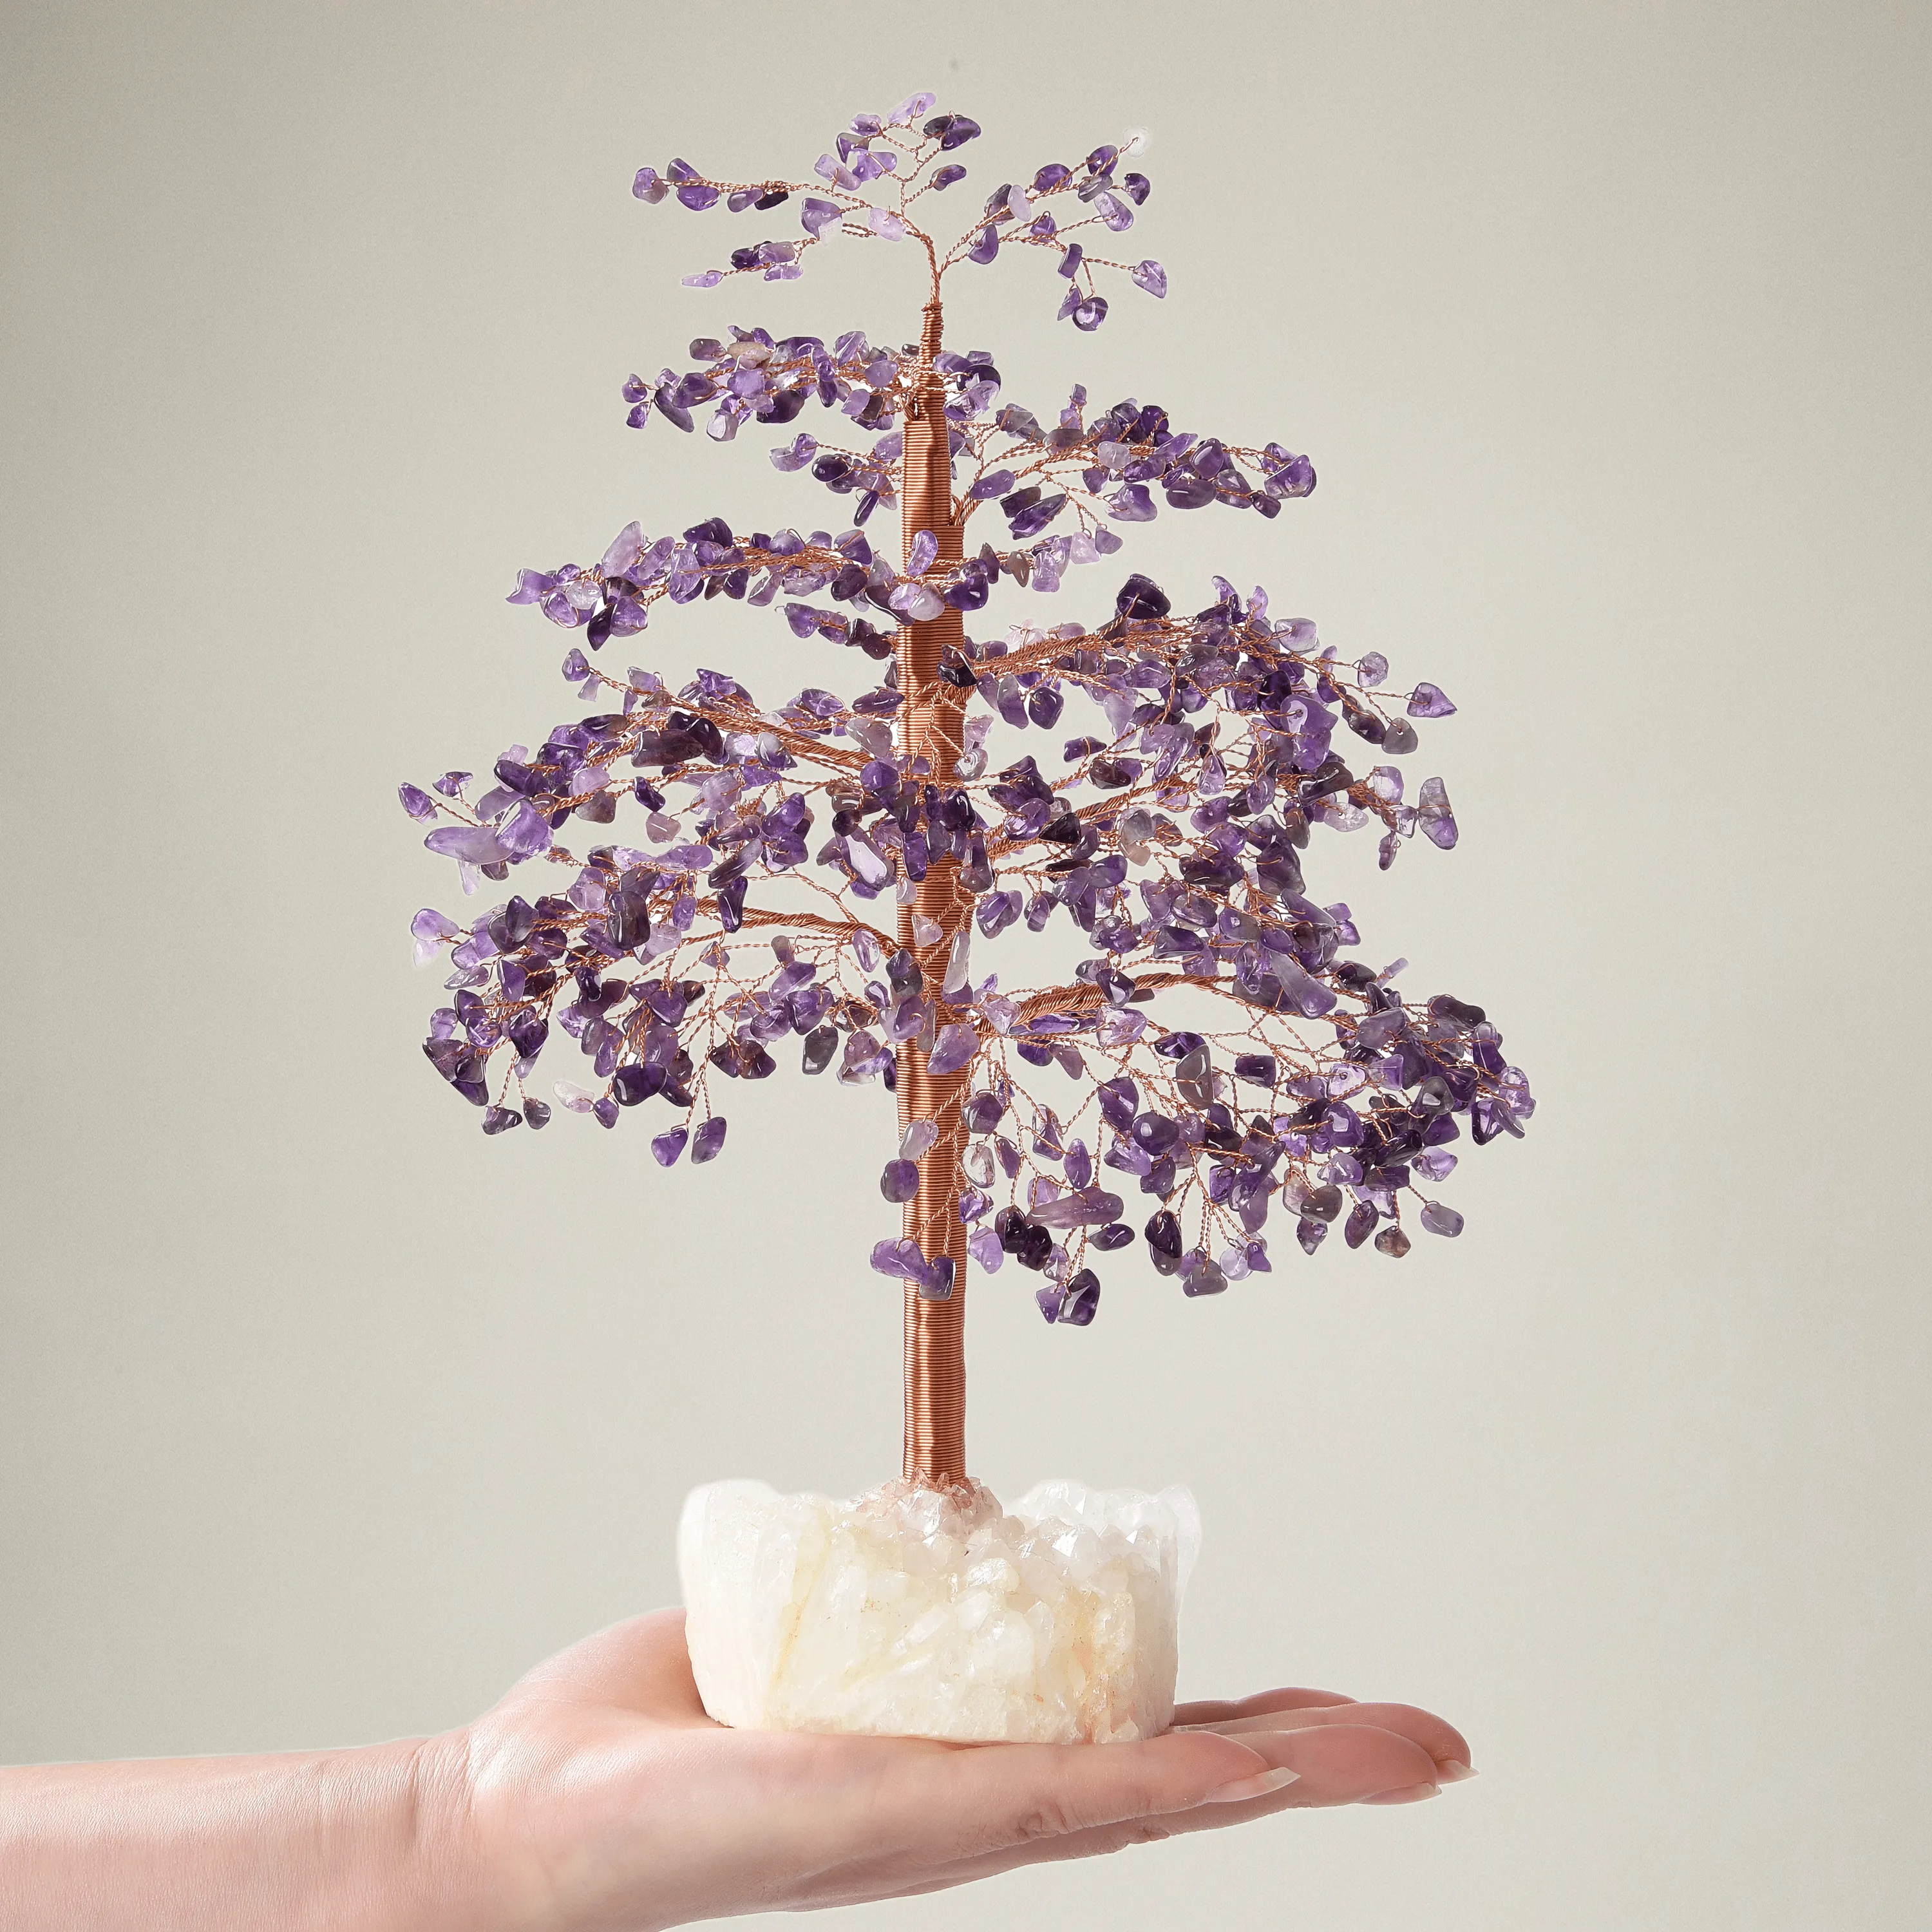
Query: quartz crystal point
point(916, 1612)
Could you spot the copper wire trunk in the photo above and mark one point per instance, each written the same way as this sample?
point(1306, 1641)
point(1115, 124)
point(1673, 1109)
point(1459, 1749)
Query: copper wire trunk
point(935, 1331)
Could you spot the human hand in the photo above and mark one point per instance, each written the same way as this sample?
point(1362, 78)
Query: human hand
point(597, 1796)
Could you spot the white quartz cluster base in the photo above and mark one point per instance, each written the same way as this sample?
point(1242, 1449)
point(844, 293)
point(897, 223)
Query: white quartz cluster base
point(914, 1612)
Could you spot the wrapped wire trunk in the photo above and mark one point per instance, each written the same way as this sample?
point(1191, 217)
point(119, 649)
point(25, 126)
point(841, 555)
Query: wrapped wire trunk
point(935, 1351)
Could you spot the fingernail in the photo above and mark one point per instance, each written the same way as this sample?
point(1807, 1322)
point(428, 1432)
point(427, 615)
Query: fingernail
point(1409, 1794)
point(1259, 1786)
point(1453, 1771)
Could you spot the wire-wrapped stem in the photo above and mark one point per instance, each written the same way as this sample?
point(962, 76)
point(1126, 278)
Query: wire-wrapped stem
point(935, 1351)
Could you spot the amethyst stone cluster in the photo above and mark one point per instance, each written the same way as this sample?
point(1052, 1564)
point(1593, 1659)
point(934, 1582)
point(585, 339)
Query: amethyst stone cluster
point(1156, 779)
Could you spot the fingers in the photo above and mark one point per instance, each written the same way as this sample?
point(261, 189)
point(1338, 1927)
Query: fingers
point(1444, 1743)
point(1212, 1710)
point(967, 1803)
point(1008, 1796)
point(1339, 1763)
point(1333, 1765)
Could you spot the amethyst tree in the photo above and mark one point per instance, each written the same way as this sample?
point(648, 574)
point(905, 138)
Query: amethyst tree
point(843, 881)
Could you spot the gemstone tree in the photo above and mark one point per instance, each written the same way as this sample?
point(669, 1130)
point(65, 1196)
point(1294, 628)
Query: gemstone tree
point(817, 872)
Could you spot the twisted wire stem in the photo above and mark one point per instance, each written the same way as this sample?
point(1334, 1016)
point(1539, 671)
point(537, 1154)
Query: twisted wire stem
point(935, 1353)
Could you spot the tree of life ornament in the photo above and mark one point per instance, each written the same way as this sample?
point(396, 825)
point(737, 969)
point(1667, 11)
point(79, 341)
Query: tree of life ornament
point(1170, 834)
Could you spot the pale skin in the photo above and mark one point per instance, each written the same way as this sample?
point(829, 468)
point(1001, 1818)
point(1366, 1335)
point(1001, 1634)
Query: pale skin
point(598, 1797)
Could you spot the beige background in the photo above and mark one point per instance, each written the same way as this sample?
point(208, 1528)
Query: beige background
point(321, 1417)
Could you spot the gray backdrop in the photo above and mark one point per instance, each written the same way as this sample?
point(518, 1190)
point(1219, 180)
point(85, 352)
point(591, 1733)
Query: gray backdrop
point(323, 1416)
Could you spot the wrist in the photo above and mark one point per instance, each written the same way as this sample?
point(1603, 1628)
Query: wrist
point(516, 1830)
point(458, 1870)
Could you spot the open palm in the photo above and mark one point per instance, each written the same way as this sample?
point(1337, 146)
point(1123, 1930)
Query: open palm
point(602, 1797)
